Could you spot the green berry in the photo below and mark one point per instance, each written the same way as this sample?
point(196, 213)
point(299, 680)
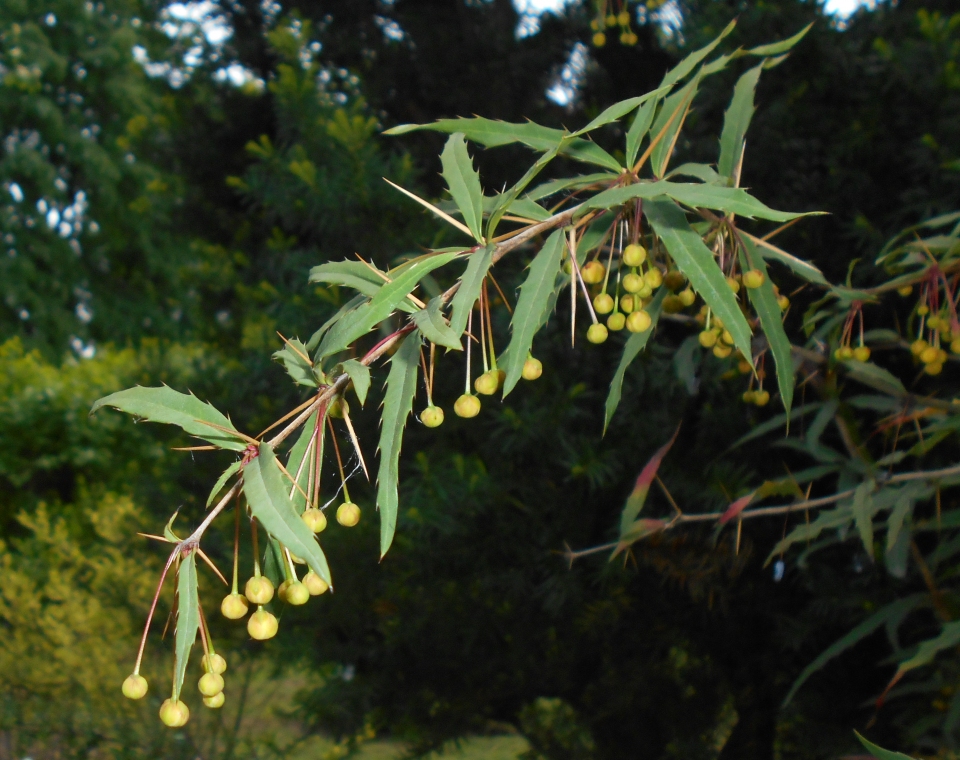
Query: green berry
point(210, 684)
point(487, 383)
point(233, 606)
point(432, 416)
point(467, 406)
point(599, 39)
point(134, 686)
point(616, 321)
point(174, 714)
point(639, 322)
point(214, 663)
point(628, 304)
point(733, 284)
point(262, 625)
point(597, 333)
point(348, 514)
point(593, 272)
point(708, 338)
point(632, 282)
point(297, 593)
point(315, 584)
point(603, 303)
point(753, 279)
point(215, 701)
point(314, 519)
point(634, 255)
point(259, 590)
point(861, 353)
point(761, 398)
point(532, 369)
point(653, 278)
point(687, 297)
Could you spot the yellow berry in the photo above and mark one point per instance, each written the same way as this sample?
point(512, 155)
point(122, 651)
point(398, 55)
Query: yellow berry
point(348, 514)
point(233, 606)
point(653, 278)
point(923, 310)
point(315, 584)
point(134, 686)
point(467, 406)
point(783, 302)
point(861, 353)
point(616, 321)
point(633, 283)
point(674, 280)
point(611, 20)
point(597, 333)
point(708, 338)
point(727, 337)
point(933, 368)
point(297, 594)
point(918, 346)
point(929, 355)
point(761, 398)
point(687, 297)
point(174, 714)
point(955, 345)
point(733, 284)
point(639, 321)
point(748, 396)
point(623, 18)
point(282, 591)
point(593, 272)
point(672, 305)
point(718, 323)
point(487, 383)
point(744, 366)
point(215, 701)
point(942, 356)
point(214, 663)
point(905, 290)
point(628, 304)
point(532, 369)
point(753, 279)
point(844, 353)
point(722, 352)
point(603, 303)
point(599, 39)
point(432, 416)
point(315, 519)
point(933, 322)
point(262, 625)
point(259, 590)
point(634, 255)
point(210, 684)
point(596, 24)
point(645, 292)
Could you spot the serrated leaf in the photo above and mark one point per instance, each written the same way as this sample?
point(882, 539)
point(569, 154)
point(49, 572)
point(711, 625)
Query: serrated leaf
point(863, 514)
point(530, 313)
point(358, 323)
point(697, 263)
point(671, 117)
point(469, 290)
point(185, 410)
point(689, 63)
point(736, 120)
point(355, 274)
point(634, 345)
point(557, 185)
point(188, 618)
point(803, 269)
point(397, 405)
point(764, 301)
point(776, 48)
point(639, 128)
point(349, 306)
point(876, 377)
point(463, 181)
point(359, 374)
point(614, 112)
point(949, 637)
point(833, 518)
point(775, 422)
point(728, 199)
point(266, 490)
point(434, 328)
point(528, 209)
point(509, 198)
point(702, 172)
point(873, 623)
point(222, 481)
point(295, 360)
point(295, 459)
point(638, 496)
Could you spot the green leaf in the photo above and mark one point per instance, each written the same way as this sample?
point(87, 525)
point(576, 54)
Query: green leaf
point(266, 490)
point(881, 617)
point(773, 423)
point(876, 377)
point(696, 261)
point(495, 133)
point(359, 374)
point(349, 306)
point(397, 405)
point(776, 48)
point(736, 120)
point(639, 129)
point(863, 514)
point(803, 269)
point(469, 290)
point(166, 405)
point(434, 328)
point(949, 637)
point(509, 198)
point(528, 209)
point(296, 360)
point(464, 183)
point(188, 618)
point(357, 275)
point(557, 185)
point(689, 63)
point(622, 108)
point(634, 345)
point(222, 481)
point(358, 323)
point(530, 313)
point(898, 539)
point(702, 172)
point(295, 459)
point(764, 301)
point(672, 113)
point(638, 496)
point(273, 563)
point(728, 199)
point(833, 518)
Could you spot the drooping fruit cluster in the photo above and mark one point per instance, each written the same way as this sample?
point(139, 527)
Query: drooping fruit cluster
point(611, 14)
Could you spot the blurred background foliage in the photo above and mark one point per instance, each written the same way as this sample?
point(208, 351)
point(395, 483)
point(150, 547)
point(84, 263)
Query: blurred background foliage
point(163, 192)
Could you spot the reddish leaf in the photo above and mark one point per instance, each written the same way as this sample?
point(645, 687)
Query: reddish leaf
point(637, 498)
point(736, 508)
